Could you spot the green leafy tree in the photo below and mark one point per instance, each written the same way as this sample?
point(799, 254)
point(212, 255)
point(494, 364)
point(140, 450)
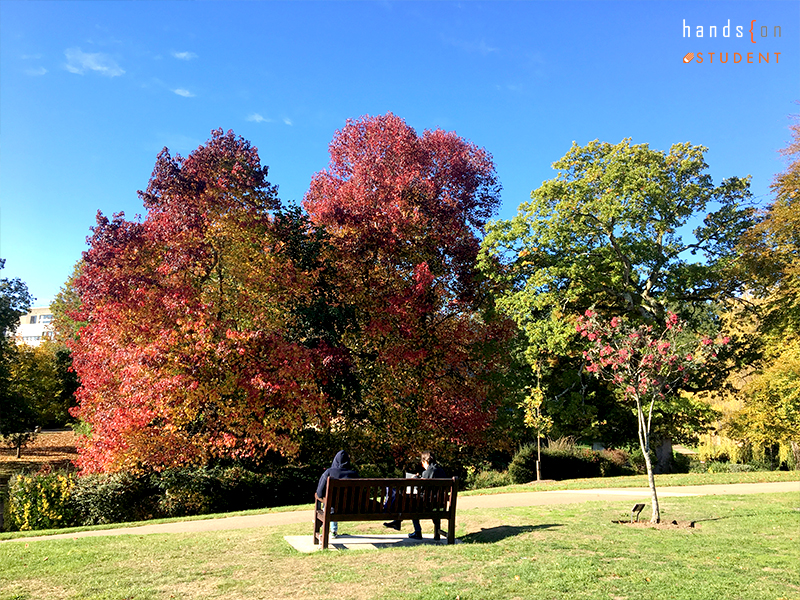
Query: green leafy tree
point(610, 232)
point(66, 307)
point(17, 418)
point(41, 376)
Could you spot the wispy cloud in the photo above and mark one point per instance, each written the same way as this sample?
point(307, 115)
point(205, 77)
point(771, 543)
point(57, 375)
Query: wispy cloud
point(480, 47)
point(36, 72)
point(287, 120)
point(257, 118)
point(184, 93)
point(184, 55)
point(80, 62)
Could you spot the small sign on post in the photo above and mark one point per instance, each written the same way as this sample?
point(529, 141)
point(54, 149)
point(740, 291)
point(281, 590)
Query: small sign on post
point(637, 508)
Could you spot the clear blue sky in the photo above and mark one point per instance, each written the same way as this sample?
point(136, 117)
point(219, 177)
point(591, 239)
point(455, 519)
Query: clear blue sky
point(91, 91)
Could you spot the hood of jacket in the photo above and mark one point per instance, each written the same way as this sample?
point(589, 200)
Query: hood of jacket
point(341, 461)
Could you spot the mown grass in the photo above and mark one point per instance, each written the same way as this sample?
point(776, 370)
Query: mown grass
point(744, 547)
point(674, 479)
point(679, 479)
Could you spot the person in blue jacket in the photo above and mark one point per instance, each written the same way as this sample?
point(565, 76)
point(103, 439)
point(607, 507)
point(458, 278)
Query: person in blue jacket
point(339, 469)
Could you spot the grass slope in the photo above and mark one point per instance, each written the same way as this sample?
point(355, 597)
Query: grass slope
point(744, 547)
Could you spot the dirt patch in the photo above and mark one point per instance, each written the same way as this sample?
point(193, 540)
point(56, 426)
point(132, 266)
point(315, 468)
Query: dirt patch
point(47, 446)
point(57, 449)
point(681, 525)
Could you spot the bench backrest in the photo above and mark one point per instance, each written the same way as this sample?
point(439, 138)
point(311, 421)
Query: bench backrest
point(390, 496)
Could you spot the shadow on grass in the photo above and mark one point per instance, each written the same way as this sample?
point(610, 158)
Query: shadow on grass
point(740, 515)
point(495, 534)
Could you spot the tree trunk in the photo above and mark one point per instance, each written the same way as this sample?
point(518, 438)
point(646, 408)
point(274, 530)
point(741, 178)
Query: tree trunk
point(538, 457)
point(19, 450)
point(651, 481)
point(644, 442)
point(796, 452)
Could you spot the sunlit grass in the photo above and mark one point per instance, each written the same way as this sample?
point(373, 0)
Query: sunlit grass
point(744, 547)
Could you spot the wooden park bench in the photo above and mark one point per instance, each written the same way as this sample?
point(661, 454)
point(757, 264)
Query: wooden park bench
point(386, 500)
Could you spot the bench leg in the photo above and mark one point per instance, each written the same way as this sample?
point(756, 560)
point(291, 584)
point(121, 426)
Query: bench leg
point(451, 530)
point(317, 525)
point(325, 531)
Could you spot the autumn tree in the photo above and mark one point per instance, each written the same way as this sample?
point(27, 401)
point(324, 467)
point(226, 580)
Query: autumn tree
point(405, 213)
point(609, 232)
point(771, 257)
point(194, 347)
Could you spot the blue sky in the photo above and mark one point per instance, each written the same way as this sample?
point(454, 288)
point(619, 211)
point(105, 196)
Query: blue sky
point(91, 91)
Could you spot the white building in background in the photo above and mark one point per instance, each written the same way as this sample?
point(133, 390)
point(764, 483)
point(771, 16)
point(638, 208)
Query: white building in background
point(35, 326)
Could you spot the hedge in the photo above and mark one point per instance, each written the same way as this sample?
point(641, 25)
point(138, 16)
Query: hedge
point(46, 501)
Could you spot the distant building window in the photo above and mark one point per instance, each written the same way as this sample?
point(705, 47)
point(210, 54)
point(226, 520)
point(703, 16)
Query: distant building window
point(46, 319)
point(32, 338)
point(33, 320)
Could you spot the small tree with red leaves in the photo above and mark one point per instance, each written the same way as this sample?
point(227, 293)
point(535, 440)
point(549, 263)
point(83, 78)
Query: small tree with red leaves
point(644, 363)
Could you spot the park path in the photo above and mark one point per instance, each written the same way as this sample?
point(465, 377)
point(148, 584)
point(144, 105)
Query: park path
point(622, 495)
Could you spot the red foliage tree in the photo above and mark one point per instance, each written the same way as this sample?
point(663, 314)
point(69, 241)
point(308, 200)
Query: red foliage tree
point(404, 213)
point(187, 354)
point(645, 365)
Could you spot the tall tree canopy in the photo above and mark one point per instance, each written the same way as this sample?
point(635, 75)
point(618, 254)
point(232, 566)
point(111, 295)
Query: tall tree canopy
point(404, 213)
point(191, 350)
point(609, 232)
point(771, 255)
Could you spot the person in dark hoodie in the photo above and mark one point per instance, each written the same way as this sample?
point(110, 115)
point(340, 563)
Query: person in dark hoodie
point(340, 469)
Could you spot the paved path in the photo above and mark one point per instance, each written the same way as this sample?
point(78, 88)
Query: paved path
point(624, 495)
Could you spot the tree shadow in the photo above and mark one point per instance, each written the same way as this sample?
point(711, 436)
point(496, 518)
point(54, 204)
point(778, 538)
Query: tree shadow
point(734, 516)
point(495, 534)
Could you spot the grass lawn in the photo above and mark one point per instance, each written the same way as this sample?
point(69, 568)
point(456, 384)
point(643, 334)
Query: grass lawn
point(641, 481)
point(743, 547)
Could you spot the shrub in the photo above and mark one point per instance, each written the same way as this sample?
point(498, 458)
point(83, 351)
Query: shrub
point(618, 462)
point(369, 470)
point(636, 460)
point(114, 498)
point(242, 489)
point(483, 479)
point(680, 462)
point(187, 491)
point(721, 449)
point(564, 460)
point(39, 501)
point(727, 467)
point(523, 466)
point(294, 485)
